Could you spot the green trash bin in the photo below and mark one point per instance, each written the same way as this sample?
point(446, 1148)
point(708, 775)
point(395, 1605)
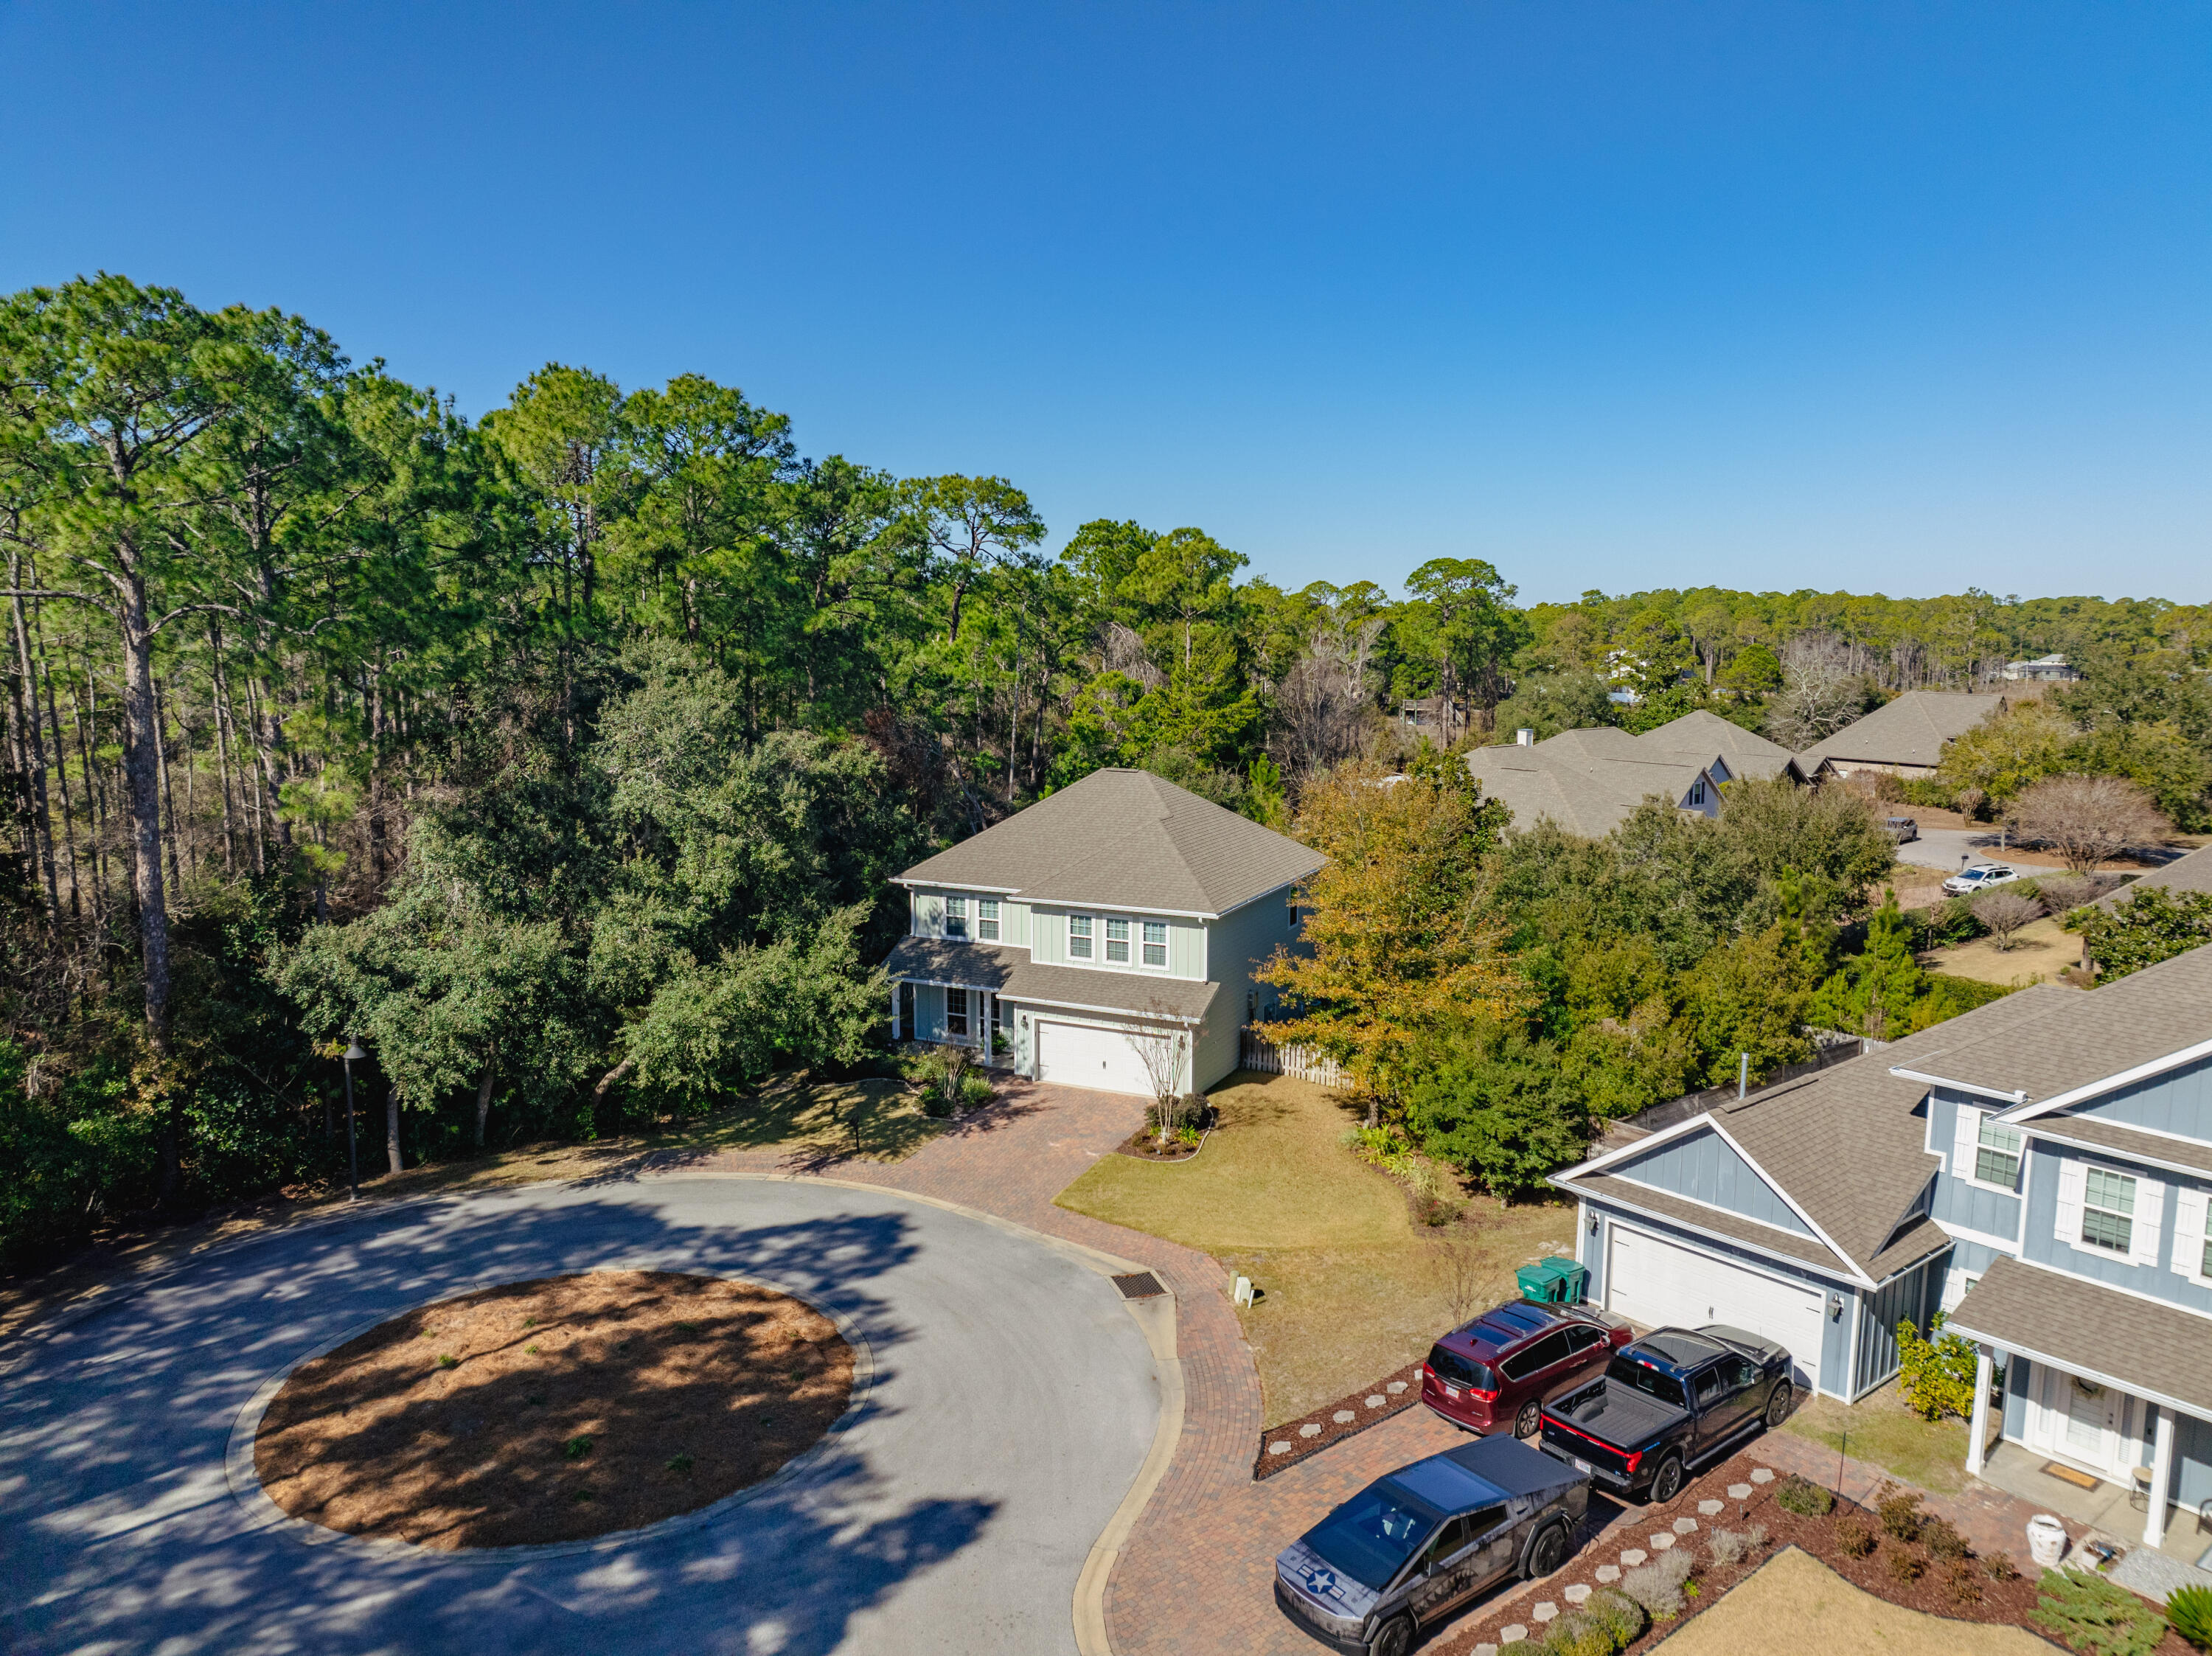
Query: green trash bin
point(1542, 1284)
point(1574, 1278)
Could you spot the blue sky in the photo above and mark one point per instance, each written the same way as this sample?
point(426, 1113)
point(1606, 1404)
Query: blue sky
point(1884, 297)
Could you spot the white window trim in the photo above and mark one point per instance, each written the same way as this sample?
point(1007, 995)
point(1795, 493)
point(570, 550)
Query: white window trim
point(1963, 1151)
point(998, 919)
point(1097, 962)
point(2192, 1217)
point(946, 916)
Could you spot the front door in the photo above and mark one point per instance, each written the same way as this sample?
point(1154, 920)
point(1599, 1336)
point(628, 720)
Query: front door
point(2086, 1424)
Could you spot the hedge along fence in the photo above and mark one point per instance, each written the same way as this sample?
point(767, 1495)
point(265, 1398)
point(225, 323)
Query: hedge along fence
point(1256, 1052)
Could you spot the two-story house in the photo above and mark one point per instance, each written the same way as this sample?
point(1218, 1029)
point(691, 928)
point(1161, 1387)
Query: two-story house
point(1109, 929)
point(2040, 1166)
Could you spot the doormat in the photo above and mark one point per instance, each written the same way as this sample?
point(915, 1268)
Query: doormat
point(2068, 1475)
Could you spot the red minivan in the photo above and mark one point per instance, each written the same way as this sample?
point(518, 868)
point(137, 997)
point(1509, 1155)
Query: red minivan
point(1504, 1366)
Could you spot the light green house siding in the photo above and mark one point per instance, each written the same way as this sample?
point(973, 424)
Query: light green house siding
point(926, 915)
point(1239, 944)
point(1047, 938)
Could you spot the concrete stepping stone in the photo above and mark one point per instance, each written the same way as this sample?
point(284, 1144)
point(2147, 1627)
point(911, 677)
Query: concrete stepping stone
point(1661, 1541)
point(1311, 1428)
point(1394, 1387)
point(1484, 1650)
point(1685, 1526)
point(1546, 1611)
point(1634, 1557)
point(1762, 1475)
point(1376, 1401)
point(1511, 1634)
point(1709, 1507)
point(1609, 1574)
point(1578, 1593)
point(1739, 1491)
point(1280, 1447)
point(1342, 1415)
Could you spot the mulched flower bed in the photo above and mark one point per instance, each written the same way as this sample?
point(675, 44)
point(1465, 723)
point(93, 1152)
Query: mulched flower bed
point(1980, 1598)
point(553, 1411)
point(1284, 1447)
point(1145, 1143)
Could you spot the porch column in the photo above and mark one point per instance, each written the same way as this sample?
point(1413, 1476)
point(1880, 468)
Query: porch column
point(2161, 1473)
point(895, 1004)
point(985, 1033)
point(1977, 1429)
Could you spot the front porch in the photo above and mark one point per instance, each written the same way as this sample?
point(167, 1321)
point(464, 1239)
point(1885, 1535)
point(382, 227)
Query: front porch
point(2109, 1508)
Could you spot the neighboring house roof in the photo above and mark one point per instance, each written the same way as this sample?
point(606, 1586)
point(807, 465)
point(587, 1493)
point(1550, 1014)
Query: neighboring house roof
point(2192, 872)
point(2076, 1040)
point(1010, 973)
point(1124, 839)
point(2100, 1333)
point(1748, 752)
point(1909, 730)
point(1588, 781)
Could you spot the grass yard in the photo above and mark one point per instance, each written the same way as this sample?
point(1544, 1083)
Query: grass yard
point(808, 1120)
point(1795, 1602)
point(2041, 949)
point(1885, 1433)
point(1352, 1287)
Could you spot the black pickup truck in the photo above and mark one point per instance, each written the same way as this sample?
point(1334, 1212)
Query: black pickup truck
point(1667, 1402)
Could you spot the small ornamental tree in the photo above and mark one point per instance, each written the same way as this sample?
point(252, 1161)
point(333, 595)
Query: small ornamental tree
point(2003, 912)
point(1937, 1371)
point(2086, 819)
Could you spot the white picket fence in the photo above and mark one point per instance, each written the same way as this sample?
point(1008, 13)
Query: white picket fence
point(1299, 1063)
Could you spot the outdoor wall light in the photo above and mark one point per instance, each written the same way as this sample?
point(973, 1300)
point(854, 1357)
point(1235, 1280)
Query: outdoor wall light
point(1835, 1307)
point(1592, 1230)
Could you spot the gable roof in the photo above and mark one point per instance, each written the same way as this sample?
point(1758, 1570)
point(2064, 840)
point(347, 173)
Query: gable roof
point(2192, 872)
point(1748, 752)
point(1909, 730)
point(1124, 839)
point(1588, 781)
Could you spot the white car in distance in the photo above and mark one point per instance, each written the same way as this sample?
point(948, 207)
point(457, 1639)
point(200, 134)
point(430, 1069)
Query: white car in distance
point(1980, 878)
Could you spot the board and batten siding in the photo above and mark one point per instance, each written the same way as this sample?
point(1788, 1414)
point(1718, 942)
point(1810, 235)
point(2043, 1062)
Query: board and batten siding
point(1911, 1297)
point(1970, 1207)
point(1704, 1167)
point(1047, 930)
point(926, 915)
point(2178, 1102)
point(2042, 1245)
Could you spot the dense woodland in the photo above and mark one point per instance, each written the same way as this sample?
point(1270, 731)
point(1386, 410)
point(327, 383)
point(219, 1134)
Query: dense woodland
point(560, 756)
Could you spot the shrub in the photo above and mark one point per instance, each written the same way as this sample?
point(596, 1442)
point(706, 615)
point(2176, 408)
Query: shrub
point(1998, 1567)
point(1185, 1110)
point(1941, 1539)
point(1966, 1585)
point(1576, 1635)
point(1928, 793)
point(1755, 1537)
point(576, 1448)
point(2092, 1614)
point(1855, 1538)
point(1906, 1566)
point(1899, 1511)
point(2188, 1612)
point(1657, 1586)
point(1936, 1373)
point(1727, 1546)
point(1805, 1498)
point(1621, 1616)
point(975, 1090)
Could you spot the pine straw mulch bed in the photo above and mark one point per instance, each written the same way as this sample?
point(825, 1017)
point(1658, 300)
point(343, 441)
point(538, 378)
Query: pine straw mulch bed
point(1981, 1597)
point(553, 1411)
point(1284, 1447)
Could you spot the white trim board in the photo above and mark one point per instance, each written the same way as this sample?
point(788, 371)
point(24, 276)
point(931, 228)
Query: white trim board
point(1904, 1073)
point(1611, 1206)
point(2113, 1082)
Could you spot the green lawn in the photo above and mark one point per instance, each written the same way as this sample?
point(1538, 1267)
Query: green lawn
point(1353, 1287)
point(1882, 1430)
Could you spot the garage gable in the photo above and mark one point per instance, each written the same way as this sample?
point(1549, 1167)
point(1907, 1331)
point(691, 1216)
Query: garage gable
point(1702, 1166)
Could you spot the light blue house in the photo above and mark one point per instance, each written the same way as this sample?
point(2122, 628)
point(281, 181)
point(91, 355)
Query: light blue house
point(2039, 1167)
point(1107, 937)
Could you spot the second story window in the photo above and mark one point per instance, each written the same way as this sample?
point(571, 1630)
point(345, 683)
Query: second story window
point(1117, 942)
point(956, 917)
point(1997, 1157)
point(2108, 1207)
point(1078, 936)
point(1156, 943)
point(987, 918)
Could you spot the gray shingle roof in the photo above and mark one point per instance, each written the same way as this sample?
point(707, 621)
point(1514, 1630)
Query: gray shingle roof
point(1702, 731)
point(2092, 1133)
point(1909, 730)
point(1011, 974)
point(2077, 1038)
point(2136, 1344)
point(1627, 1193)
point(2190, 873)
point(1587, 782)
point(1125, 839)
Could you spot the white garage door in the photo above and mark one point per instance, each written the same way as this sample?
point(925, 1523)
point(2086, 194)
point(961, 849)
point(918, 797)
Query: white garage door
point(1657, 1283)
point(1082, 1055)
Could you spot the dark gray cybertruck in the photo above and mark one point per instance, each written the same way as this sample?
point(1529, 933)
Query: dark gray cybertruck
point(1418, 1545)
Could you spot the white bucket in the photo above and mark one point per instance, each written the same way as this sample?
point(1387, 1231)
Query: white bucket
point(2046, 1540)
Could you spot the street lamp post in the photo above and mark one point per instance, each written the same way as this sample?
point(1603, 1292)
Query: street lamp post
point(352, 1157)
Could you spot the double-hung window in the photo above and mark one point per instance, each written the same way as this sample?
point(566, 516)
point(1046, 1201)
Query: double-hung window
point(1078, 936)
point(1156, 944)
point(2108, 1207)
point(956, 917)
point(1996, 1155)
point(1117, 942)
point(987, 918)
point(956, 1012)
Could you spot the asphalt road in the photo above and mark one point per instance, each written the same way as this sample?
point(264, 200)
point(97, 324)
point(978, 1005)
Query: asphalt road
point(1013, 1401)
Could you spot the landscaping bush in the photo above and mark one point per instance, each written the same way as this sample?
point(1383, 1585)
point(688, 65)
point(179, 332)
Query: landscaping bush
point(1727, 1546)
point(950, 1081)
point(1621, 1616)
point(1899, 1511)
point(1183, 1114)
point(1928, 793)
point(1855, 1538)
point(1941, 1539)
point(1951, 921)
point(1906, 1566)
point(1805, 1498)
point(2092, 1614)
point(1966, 1584)
point(1755, 1537)
point(2188, 1612)
point(1657, 1586)
point(1998, 1567)
point(1936, 1374)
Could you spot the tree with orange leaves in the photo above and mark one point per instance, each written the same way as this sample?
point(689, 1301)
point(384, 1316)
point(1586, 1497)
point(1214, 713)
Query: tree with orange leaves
point(1399, 942)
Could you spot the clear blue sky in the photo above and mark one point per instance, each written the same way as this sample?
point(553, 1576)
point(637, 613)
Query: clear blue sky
point(1876, 296)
